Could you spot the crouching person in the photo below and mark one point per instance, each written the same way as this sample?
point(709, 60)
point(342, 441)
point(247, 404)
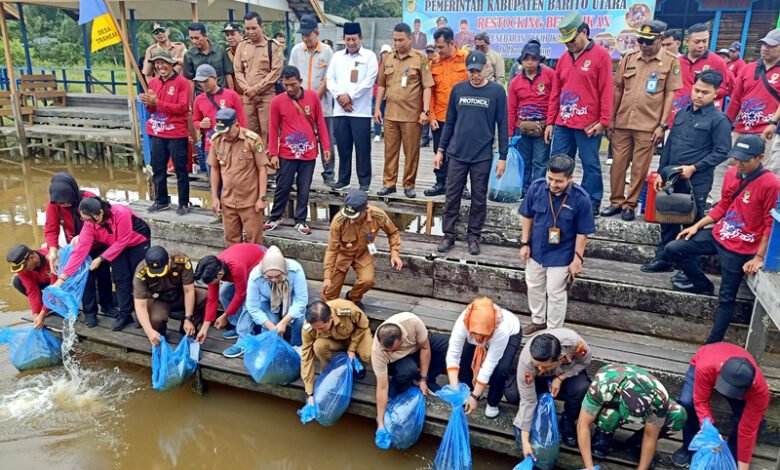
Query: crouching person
point(32, 274)
point(332, 327)
point(483, 346)
point(277, 295)
point(163, 287)
point(621, 394)
point(403, 348)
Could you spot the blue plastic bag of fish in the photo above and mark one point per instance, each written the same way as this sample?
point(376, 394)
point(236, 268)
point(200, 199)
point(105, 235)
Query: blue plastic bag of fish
point(333, 390)
point(527, 464)
point(405, 417)
point(270, 360)
point(32, 349)
point(544, 433)
point(711, 451)
point(455, 449)
point(172, 367)
point(66, 299)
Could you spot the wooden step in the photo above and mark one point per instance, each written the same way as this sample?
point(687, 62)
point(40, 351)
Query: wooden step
point(97, 100)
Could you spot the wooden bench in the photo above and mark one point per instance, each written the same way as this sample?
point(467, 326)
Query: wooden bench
point(6, 108)
point(42, 89)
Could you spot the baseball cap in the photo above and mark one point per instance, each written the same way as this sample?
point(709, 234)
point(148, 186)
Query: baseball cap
point(225, 118)
point(772, 38)
point(735, 46)
point(723, 52)
point(203, 72)
point(569, 26)
point(385, 48)
point(746, 147)
point(308, 24)
point(157, 261)
point(735, 378)
point(159, 28)
point(231, 27)
point(430, 48)
point(476, 60)
point(17, 255)
point(164, 54)
point(354, 203)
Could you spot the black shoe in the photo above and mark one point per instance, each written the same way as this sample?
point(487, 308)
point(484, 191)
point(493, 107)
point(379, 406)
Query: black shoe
point(681, 278)
point(474, 247)
point(183, 210)
point(690, 288)
point(409, 192)
point(568, 433)
point(601, 444)
point(596, 210)
point(340, 186)
point(628, 215)
point(122, 321)
point(364, 188)
point(90, 320)
point(425, 143)
point(385, 191)
point(610, 211)
point(329, 182)
point(634, 443)
point(657, 266)
point(435, 190)
point(681, 458)
point(446, 245)
point(157, 207)
point(466, 194)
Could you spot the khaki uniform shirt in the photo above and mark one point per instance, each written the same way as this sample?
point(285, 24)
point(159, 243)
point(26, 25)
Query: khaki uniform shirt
point(254, 70)
point(239, 163)
point(641, 110)
point(575, 354)
point(404, 104)
point(168, 288)
point(497, 69)
point(177, 50)
point(348, 240)
point(349, 323)
point(231, 55)
point(413, 332)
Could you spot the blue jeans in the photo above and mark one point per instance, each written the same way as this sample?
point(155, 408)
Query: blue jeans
point(293, 333)
point(536, 156)
point(574, 142)
point(241, 320)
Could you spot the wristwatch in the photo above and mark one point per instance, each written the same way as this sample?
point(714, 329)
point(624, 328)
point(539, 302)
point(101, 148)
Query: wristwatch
point(475, 397)
point(772, 122)
point(423, 377)
point(427, 112)
point(524, 243)
point(664, 126)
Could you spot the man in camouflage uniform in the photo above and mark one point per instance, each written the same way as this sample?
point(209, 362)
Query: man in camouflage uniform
point(621, 394)
point(331, 327)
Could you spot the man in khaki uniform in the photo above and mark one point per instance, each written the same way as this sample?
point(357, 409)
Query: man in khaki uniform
point(233, 37)
point(645, 83)
point(351, 242)
point(177, 50)
point(258, 64)
point(335, 326)
point(165, 282)
point(405, 82)
point(238, 160)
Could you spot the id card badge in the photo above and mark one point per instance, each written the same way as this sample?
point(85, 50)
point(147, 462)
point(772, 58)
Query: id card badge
point(554, 236)
point(353, 76)
point(404, 81)
point(195, 351)
point(652, 85)
point(372, 249)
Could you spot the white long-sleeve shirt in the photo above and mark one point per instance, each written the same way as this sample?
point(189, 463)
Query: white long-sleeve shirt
point(339, 81)
point(508, 325)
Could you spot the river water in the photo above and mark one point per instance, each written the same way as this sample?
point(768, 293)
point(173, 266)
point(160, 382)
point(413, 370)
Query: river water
point(109, 418)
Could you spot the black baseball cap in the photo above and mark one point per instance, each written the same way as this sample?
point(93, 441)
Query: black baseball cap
point(308, 24)
point(747, 147)
point(476, 60)
point(157, 261)
point(16, 256)
point(735, 46)
point(735, 378)
point(354, 203)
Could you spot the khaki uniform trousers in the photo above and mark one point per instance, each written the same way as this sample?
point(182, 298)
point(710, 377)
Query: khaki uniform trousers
point(547, 296)
point(408, 134)
point(160, 311)
point(258, 114)
point(633, 148)
point(325, 349)
point(364, 281)
point(237, 220)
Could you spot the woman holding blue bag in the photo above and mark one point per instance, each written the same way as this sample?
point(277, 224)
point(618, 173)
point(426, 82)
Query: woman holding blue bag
point(32, 274)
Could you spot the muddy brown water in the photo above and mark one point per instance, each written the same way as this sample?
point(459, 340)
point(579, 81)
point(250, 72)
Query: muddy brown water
point(113, 419)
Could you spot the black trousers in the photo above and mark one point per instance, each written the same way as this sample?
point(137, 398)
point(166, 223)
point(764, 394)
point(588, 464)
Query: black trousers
point(99, 289)
point(20, 287)
point(176, 149)
point(353, 131)
point(500, 373)
point(702, 185)
point(123, 270)
point(441, 173)
point(301, 173)
point(405, 371)
point(457, 173)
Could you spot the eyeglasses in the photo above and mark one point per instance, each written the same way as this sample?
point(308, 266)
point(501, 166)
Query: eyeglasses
point(646, 41)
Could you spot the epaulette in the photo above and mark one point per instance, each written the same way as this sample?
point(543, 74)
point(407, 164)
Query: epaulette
point(183, 260)
point(251, 134)
point(307, 327)
point(141, 274)
point(344, 312)
point(378, 214)
point(341, 218)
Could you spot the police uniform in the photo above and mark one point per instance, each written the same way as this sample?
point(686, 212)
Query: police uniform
point(348, 245)
point(239, 163)
point(177, 50)
point(165, 293)
point(349, 332)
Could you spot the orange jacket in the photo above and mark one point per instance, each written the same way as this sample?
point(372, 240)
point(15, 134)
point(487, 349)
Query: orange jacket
point(446, 73)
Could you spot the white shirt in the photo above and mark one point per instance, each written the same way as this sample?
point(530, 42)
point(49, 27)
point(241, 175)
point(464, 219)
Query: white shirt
point(339, 81)
point(313, 68)
point(508, 325)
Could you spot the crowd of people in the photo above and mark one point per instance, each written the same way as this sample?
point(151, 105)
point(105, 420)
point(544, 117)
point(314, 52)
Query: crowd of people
point(260, 119)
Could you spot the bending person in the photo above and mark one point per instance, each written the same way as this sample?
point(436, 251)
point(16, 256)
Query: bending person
point(32, 274)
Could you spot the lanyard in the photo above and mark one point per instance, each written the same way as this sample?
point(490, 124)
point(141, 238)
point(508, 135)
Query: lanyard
point(560, 208)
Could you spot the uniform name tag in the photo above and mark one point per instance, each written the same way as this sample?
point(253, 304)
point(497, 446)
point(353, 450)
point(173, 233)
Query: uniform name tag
point(404, 81)
point(554, 236)
point(372, 249)
point(353, 76)
point(652, 84)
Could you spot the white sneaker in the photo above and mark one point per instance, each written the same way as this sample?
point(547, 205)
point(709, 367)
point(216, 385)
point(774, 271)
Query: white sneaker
point(491, 411)
point(377, 139)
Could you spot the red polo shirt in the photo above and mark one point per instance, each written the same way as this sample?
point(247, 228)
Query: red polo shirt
point(169, 119)
point(203, 108)
point(736, 66)
point(752, 106)
point(688, 69)
point(708, 362)
point(240, 259)
point(529, 99)
point(32, 281)
point(582, 91)
point(290, 134)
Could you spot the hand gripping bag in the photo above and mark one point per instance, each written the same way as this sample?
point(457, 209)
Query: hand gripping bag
point(333, 390)
point(405, 417)
point(66, 299)
point(32, 349)
point(526, 464)
point(172, 367)
point(454, 451)
point(711, 451)
point(544, 433)
point(508, 188)
point(270, 360)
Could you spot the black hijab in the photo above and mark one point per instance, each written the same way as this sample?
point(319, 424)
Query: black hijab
point(64, 188)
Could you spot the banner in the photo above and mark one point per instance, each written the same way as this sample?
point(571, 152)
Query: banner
point(512, 23)
point(104, 30)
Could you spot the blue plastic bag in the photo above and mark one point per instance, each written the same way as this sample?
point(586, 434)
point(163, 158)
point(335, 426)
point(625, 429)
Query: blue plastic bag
point(382, 439)
point(171, 368)
point(65, 300)
point(405, 417)
point(32, 349)
point(270, 360)
point(333, 390)
point(527, 464)
point(508, 188)
point(544, 433)
point(455, 449)
point(711, 452)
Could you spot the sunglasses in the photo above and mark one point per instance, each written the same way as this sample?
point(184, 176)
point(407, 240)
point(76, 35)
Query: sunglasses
point(646, 41)
point(158, 31)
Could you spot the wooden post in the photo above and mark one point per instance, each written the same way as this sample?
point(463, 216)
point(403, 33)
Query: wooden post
point(194, 8)
point(15, 97)
point(130, 67)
